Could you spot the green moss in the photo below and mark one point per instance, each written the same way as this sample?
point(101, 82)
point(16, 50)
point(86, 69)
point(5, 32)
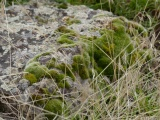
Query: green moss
point(38, 99)
point(112, 44)
point(41, 20)
point(51, 63)
point(55, 106)
point(63, 5)
point(65, 39)
point(79, 66)
point(67, 69)
point(44, 91)
point(9, 2)
point(36, 69)
point(72, 21)
point(30, 77)
point(64, 84)
point(64, 30)
point(137, 29)
point(55, 74)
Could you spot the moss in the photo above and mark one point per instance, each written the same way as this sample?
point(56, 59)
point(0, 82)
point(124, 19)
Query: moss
point(55, 106)
point(36, 69)
point(64, 30)
point(38, 99)
point(65, 39)
point(51, 63)
point(138, 29)
point(30, 77)
point(55, 74)
point(64, 84)
point(110, 46)
point(63, 5)
point(41, 20)
point(44, 91)
point(72, 21)
point(79, 66)
point(67, 69)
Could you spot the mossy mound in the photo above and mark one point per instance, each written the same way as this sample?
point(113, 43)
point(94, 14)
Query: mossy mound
point(55, 106)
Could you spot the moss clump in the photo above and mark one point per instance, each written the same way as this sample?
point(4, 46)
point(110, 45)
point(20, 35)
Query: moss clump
point(67, 69)
point(30, 77)
point(110, 47)
point(64, 84)
point(64, 30)
point(64, 39)
point(36, 69)
point(136, 29)
point(63, 5)
point(60, 78)
point(79, 65)
point(38, 99)
point(55, 74)
point(41, 20)
point(72, 21)
point(55, 106)
point(51, 63)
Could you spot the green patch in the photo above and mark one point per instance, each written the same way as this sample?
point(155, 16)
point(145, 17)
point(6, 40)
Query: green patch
point(38, 99)
point(64, 84)
point(63, 5)
point(36, 69)
point(80, 66)
point(41, 20)
point(71, 21)
point(67, 69)
point(64, 39)
point(30, 77)
point(64, 30)
point(51, 63)
point(55, 106)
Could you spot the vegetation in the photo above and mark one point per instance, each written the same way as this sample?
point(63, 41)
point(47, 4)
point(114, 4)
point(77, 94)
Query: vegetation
point(10, 2)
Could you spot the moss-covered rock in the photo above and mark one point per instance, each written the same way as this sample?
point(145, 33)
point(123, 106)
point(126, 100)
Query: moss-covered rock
point(86, 58)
